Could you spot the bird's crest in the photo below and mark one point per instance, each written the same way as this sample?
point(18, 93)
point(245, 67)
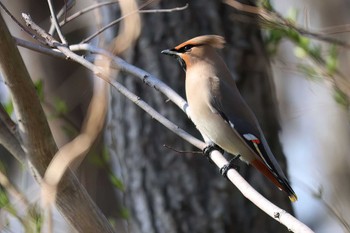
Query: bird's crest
point(211, 40)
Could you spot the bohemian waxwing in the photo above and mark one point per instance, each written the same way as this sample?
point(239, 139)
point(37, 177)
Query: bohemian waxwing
point(218, 110)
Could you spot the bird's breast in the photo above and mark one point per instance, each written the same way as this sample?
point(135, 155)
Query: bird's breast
point(209, 122)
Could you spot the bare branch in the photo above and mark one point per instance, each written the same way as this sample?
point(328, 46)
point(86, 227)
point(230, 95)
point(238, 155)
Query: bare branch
point(165, 10)
point(83, 11)
point(55, 22)
point(98, 5)
point(111, 24)
point(39, 48)
point(67, 6)
point(335, 29)
point(25, 29)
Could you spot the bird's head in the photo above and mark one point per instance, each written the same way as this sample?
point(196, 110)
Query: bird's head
point(195, 49)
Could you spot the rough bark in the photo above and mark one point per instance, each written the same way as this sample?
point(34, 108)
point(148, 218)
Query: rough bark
point(170, 192)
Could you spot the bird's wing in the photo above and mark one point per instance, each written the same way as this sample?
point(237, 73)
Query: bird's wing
point(234, 111)
point(228, 103)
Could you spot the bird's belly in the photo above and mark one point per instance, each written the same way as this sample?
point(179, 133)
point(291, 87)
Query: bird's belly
point(218, 131)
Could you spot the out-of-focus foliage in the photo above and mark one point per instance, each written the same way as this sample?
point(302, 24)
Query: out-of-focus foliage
point(316, 61)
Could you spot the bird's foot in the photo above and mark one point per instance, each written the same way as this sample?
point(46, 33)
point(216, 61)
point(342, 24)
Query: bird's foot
point(208, 149)
point(229, 165)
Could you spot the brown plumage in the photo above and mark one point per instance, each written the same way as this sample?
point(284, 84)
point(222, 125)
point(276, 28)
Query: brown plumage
point(218, 110)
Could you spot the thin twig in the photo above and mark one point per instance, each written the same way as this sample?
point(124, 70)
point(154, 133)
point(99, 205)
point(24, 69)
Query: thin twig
point(318, 194)
point(165, 10)
point(55, 22)
point(276, 19)
point(12, 190)
point(335, 29)
point(111, 24)
point(83, 11)
point(98, 5)
point(67, 6)
point(89, 38)
point(182, 151)
point(25, 29)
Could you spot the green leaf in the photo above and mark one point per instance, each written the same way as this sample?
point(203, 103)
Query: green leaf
point(332, 60)
point(310, 71)
point(5, 203)
point(304, 42)
point(4, 199)
point(39, 86)
point(125, 213)
point(97, 160)
point(299, 52)
point(267, 5)
point(9, 107)
point(292, 14)
point(105, 154)
point(38, 219)
point(60, 106)
point(118, 183)
point(293, 35)
point(2, 167)
point(341, 98)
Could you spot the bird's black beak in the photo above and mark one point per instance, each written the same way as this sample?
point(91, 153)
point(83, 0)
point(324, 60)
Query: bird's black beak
point(170, 52)
point(177, 55)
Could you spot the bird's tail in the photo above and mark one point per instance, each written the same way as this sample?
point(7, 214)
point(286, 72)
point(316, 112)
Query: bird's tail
point(280, 183)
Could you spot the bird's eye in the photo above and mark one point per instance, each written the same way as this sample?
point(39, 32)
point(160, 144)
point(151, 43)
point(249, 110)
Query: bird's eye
point(188, 48)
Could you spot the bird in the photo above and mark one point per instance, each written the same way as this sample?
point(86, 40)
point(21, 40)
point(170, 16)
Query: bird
point(219, 111)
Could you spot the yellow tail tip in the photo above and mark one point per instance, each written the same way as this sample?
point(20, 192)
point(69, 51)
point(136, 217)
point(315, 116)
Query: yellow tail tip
point(293, 198)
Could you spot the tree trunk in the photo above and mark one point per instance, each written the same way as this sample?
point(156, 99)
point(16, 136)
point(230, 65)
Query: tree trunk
point(166, 191)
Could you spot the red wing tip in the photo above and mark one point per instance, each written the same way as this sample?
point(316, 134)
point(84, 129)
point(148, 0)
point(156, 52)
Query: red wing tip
point(281, 185)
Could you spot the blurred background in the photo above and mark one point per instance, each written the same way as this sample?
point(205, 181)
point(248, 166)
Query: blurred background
point(140, 185)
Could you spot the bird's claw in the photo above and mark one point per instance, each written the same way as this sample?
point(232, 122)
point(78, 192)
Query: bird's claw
point(208, 149)
point(231, 164)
